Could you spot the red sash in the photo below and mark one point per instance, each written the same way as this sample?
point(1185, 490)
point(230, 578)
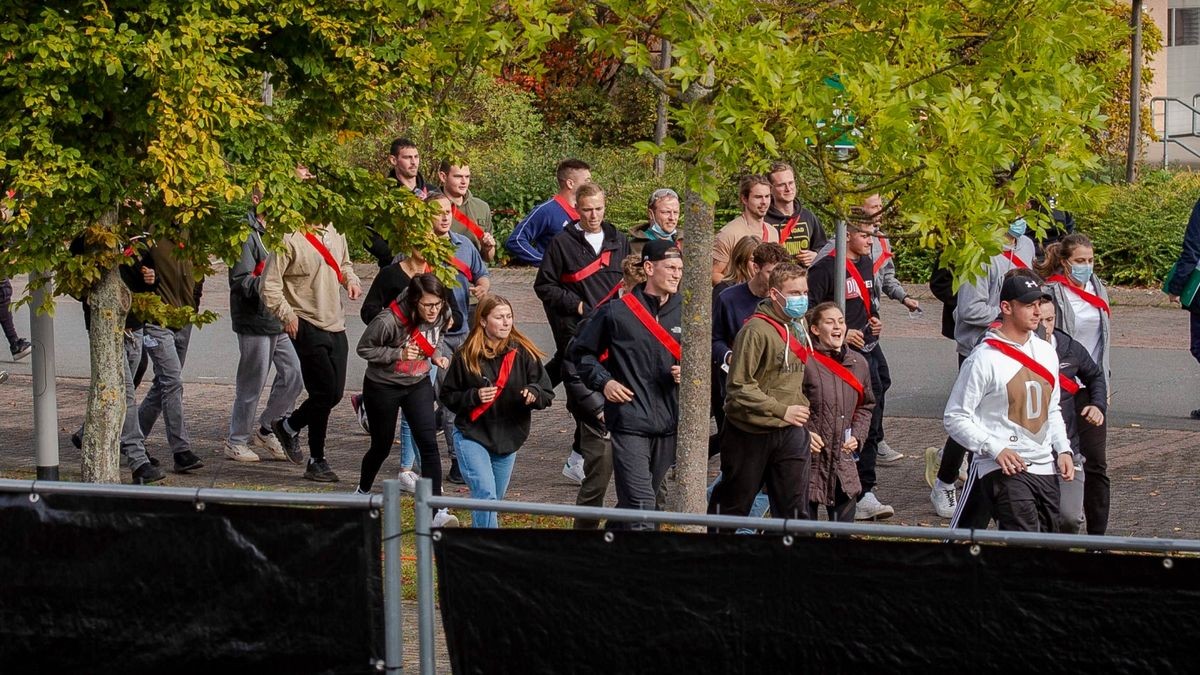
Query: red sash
point(463, 267)
point(787, 229)
point(591, 268)
point(639, 310)
point(1023, 359)
point(884, 256)
point(462, 217)
point(258, 269)
point(608, 296)
point(1015, 259)
point(317, 244)
point(803, 353)
point(414, 332)
point(1068, 385)
point(506, 367)
point(1093, 300)
point(566, 206)
point(862, 286)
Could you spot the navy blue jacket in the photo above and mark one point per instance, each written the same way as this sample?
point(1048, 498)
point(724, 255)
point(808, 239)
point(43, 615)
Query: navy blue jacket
point(1189, 257)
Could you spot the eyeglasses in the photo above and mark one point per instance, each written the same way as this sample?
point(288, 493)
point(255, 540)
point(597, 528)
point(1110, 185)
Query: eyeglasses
point(431, 306)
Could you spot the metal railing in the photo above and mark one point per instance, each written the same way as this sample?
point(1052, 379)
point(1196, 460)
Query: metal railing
point(1167, 139)
point(427, 504)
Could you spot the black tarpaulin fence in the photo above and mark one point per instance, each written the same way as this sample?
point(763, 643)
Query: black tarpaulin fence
point(157, 582)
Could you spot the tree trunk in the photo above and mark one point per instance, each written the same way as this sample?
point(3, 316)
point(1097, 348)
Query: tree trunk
point(1135, 93)
point(695, 393)
point(660, 122)
point(109, 301)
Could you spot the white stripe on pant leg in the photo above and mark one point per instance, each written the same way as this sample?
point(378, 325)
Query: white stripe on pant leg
point(972, 473)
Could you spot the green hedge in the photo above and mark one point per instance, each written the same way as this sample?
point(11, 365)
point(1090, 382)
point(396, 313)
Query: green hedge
point(1138, 234)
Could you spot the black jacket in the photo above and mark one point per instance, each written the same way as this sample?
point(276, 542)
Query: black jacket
point(1075, 362)
point(391, 281)
point(131, 274)
point(822, 283)
point(504, 426)
point(377, 246)
point(808, 234)
point(568, 253)
point(247, 312)
point(584, 403)
point(636, 359)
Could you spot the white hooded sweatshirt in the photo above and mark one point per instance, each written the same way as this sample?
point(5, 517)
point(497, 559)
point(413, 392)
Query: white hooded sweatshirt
point(999, 403)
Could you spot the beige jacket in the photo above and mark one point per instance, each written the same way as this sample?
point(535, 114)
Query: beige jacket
point(299, 283)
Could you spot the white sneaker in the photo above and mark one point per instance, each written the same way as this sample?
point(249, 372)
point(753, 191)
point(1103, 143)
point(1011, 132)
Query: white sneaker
point(444, 518)
point(269, 443)
point(869, 508)
point(573, 472)
point(408, 481)
point(239, 453)
point(944, 499)
point(886, 455)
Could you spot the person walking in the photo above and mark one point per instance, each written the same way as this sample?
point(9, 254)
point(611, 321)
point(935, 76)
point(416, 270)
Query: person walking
point(800, 230)
point(493, 384)
point(303, 290)
point(1183, 279)
point(755, 195)
point(639, 376)
point(1084, 314)
point(765, 441)
point(1005, 408)
point(400, 346)
point(837, 384)
point(532, 236)
point(261, 344)
point(472, 215)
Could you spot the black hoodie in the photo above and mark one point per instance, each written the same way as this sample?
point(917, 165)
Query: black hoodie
point(247, 312)
point(636, 359)
point(806, 234)
point(504, 426)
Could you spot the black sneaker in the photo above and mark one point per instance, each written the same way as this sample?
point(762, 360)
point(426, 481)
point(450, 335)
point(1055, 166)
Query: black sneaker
point(318, 470)
point(153, 459)
point(187, 461)
point(147, 474)
point(21, 349)
point(290, 442)
point(455, 475)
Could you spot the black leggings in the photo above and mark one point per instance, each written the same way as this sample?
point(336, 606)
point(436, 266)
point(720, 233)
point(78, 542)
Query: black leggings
point(383, 402)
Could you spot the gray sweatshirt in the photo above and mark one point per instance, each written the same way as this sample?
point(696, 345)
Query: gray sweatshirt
point(382, 347)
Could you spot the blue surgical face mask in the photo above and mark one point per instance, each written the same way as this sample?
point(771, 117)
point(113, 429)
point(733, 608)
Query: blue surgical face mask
point(795, 306)
point(1018, 227)
point(660, 233)
point(1081, 273)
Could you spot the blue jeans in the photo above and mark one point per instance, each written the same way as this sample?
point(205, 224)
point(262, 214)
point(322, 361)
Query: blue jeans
point(487, 475)
point(761, 504)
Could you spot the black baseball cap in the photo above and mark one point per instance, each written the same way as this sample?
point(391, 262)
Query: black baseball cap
point(1023, 290)
point(660, 249)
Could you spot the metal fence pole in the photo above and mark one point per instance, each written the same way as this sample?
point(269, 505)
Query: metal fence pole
point(424, 528)
point(839, 266)
point(393, 612)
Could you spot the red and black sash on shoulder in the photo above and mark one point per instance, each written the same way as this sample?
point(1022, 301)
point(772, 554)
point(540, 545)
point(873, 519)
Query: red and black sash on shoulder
point(506, 367)
point(566, 206)
point(1015, 259)
point(884, 255)
point(1023, 359)
point(466, 221)
point(863, 292)
point(639, 310)
point(803, 353)
point(588, 270)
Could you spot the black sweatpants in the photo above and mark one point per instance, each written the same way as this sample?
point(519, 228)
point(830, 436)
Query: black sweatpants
point(1093, 445)
point(1023, 502)
point(778, 458)
point(881, 381)
point(640, 465)
point(382, 402)
point(323, 367)
point(6, 317)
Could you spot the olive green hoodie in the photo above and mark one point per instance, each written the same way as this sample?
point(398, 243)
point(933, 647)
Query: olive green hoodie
point(765, 377)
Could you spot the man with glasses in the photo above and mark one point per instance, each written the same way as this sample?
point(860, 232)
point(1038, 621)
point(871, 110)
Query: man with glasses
point(800, 231)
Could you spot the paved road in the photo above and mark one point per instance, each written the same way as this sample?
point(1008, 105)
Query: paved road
point(1156, 381)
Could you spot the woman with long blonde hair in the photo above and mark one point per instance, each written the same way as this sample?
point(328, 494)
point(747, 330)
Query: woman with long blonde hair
point(493, 384)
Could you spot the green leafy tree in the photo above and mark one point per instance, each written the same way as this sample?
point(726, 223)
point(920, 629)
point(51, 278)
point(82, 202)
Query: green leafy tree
point(960, 112)
point(124, 117)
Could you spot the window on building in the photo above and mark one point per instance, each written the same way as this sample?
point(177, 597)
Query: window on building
point(1183, 27)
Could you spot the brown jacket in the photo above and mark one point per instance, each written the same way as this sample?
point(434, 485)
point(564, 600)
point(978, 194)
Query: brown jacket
point(834, 407)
